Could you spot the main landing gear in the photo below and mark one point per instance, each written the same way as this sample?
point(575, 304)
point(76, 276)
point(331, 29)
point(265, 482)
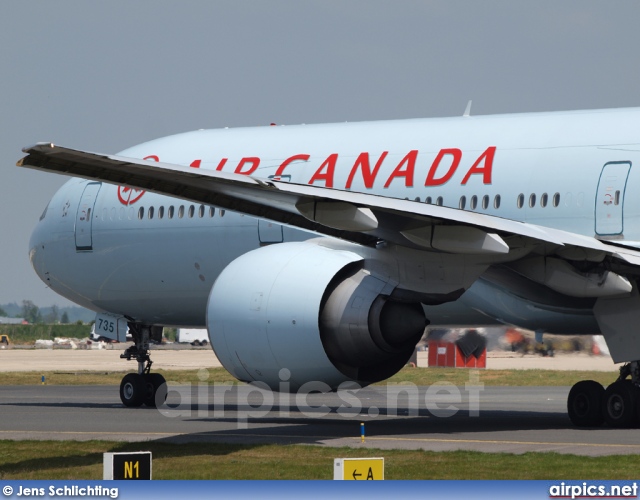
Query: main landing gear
point(144, 387)
point(590, 404)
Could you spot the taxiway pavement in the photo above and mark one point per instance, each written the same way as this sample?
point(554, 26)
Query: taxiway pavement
point(509, 419)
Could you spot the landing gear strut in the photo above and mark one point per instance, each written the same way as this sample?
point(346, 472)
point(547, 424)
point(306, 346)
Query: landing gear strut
point(143, 387)
point(589, 404)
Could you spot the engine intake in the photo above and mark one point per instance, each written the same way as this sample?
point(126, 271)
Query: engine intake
point(367, 335)
point(313, 310)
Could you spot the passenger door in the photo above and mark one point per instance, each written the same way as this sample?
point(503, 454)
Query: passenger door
point(84, 216)
point(609, 212)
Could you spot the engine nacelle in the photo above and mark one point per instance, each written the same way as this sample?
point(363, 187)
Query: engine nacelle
point(312, 310)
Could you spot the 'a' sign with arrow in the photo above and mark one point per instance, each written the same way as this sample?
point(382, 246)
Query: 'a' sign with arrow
point(358, 469)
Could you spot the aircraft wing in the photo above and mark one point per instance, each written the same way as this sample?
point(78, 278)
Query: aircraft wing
point(362, 218)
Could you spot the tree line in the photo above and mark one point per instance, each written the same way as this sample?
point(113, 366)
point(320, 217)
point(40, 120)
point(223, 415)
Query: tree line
point(32, 314)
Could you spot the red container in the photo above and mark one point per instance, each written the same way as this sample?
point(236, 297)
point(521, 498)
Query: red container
point(445, 354)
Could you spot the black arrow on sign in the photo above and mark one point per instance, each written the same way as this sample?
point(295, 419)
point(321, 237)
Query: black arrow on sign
point(354, 474)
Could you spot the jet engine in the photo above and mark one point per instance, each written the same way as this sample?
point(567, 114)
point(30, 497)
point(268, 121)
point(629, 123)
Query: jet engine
point(294, 313)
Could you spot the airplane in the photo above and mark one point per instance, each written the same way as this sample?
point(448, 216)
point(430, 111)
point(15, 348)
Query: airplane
point(321, 252)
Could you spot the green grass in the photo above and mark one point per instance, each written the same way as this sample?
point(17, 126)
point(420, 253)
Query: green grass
point(83, 460)
point(417, 376)
point(215, 375)
point(514, 378)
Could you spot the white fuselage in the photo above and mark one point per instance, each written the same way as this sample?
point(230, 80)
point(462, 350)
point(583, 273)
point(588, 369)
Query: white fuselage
point(154, 258)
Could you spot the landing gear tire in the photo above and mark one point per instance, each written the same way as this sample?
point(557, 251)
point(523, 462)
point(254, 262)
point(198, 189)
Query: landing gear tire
point(619, 404)
point(584, 404)
point(133, 390)
point(156, 389)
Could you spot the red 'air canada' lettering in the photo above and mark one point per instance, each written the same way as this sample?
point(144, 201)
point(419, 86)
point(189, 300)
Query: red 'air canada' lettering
point(407, 173)
point(327, 176)
point(368, 176)
point(485, 170)
point(455, 161)
point(288, 161)
point(441, 171)
point(254, 165)
point(221, 165)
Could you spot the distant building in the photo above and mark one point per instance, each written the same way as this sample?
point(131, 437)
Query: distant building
point(13, 321)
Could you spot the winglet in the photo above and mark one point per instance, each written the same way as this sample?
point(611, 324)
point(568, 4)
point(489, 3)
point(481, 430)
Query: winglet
point(37, 146)
point(29, 149)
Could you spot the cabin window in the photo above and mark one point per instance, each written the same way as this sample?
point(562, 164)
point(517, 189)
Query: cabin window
point(544, 199)
point(439, 201)
point(221, 212)
point(181, 212)
point(473, 203)
point(463, 202)
point(532, 200)
point(212, 211)
point(520, 201)
point(150, 215)
point(141, 213)
point(201, 211)
point(160, 212)
point(428, 200)
point(170, 212)
point(192, 210)
point(556, 199)
point(496, 201)
point(485, 201)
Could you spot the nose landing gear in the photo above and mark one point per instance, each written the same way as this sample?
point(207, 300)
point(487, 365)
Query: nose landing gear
point(143, 387)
